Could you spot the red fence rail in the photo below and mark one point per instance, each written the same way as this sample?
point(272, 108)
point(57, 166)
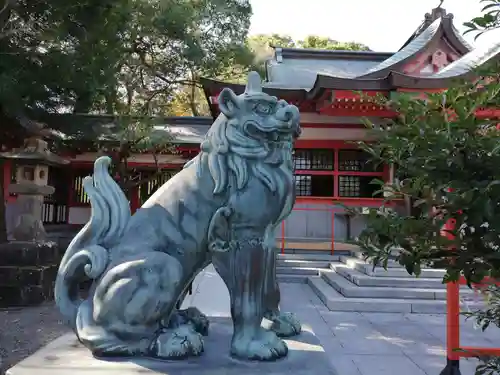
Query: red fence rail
point(332, 210)
point(454, 351)
point(333, 206)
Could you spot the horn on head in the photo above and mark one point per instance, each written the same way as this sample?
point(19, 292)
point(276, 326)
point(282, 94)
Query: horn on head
point(253, 83)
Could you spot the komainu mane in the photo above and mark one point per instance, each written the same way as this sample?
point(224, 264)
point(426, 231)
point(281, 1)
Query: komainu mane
point(222, 208)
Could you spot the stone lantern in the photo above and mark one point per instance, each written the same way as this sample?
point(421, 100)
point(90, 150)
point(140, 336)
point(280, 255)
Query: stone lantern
point(31, 186)
point(29, 263)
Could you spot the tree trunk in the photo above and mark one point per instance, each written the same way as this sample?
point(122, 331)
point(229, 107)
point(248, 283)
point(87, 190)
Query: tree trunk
point(192, 95)
point(111, 99)
point(83, 103)
point(192, 101)
point(3, 224)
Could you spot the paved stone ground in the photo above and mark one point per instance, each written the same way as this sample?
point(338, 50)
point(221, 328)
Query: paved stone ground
point(360, 343)
point(23, 331)
point(357, 344)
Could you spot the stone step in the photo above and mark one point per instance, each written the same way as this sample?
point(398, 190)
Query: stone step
point(310, 256)
point(335, 301)
point(296, 271)
point(291, 279)
point(303, 263)
point(367, 269)
point(362, 279)
point(348, 289)
point(359, 258)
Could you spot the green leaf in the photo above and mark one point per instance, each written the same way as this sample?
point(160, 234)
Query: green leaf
point(471, 25)
point(490, 6)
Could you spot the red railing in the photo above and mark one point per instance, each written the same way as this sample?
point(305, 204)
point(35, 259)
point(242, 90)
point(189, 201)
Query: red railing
point(453, 347)
point(335, 206)
point(454, 351)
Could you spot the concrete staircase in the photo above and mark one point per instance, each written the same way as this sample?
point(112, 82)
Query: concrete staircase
point(298, 266)
point(346, 283)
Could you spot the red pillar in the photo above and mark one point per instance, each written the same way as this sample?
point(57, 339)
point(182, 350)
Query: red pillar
point(7, 174)
point(134, 200)
point(452, 313)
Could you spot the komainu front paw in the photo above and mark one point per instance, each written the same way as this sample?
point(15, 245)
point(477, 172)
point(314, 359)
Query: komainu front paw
point(263, 345)
point(178, 343)
point(286, 324)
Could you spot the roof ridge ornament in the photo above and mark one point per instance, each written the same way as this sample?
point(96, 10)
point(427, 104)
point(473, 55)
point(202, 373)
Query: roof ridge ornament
point(436, 13)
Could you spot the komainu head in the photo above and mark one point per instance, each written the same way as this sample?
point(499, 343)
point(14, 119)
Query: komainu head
point(259, 115)
point(255, 131)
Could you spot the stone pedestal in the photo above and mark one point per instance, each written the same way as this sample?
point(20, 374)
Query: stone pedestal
point(66, 356)
point(27, 272)
point(29, 204)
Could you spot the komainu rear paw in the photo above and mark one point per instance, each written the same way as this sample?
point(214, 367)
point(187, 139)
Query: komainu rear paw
point(192, 316)
point(286, 324)
point(179, 343)
point(263, 345)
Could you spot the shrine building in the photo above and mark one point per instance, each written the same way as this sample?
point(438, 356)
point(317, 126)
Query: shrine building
point(329, 169)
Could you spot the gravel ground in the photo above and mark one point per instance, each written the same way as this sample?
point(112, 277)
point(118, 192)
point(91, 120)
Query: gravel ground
point(25, 330)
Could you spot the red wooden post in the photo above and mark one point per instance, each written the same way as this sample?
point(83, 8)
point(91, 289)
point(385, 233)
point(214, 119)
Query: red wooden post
point(7, 172)
point(452, 316)
point(452, 313)
point(283, 237)
point(333, 231)
point(134, 200)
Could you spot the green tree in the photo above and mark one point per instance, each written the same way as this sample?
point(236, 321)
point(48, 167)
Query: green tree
point(489, 20)
point(189, 100)
point(446, 162)
point(115, 56)
point(128, 58)
point(317, 42)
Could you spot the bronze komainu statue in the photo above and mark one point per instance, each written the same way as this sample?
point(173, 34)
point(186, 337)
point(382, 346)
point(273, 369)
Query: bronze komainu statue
point(222, 208)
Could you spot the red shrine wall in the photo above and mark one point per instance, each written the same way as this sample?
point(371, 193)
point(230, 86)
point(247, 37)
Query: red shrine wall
point(435, 57)
point(329, 171)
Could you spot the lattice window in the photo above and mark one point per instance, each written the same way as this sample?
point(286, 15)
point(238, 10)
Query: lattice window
point(303, 185)
point(358, 187)
point(356, 161)
point(349, 186)
point(314, 185)
point(312, 159)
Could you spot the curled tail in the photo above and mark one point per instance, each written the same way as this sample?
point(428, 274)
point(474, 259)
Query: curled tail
point(87, 254)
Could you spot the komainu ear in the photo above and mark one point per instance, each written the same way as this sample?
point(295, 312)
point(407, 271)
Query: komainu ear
point(228, 103)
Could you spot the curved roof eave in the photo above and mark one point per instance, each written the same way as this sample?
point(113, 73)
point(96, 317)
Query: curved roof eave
point(453, 36)
point(450, 32)
point(338, 83)
point(404, 81)
point(435, 30)
point(217, 86)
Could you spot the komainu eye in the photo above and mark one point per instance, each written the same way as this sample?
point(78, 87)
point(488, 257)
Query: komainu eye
point(264, 108)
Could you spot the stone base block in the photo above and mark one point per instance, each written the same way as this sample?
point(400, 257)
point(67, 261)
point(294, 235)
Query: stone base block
point(17, 253)
point(18, 296)
point(27, 272)
point(66, 356)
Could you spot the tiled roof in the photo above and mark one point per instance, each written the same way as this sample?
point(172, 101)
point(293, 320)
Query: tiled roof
point(185, 130)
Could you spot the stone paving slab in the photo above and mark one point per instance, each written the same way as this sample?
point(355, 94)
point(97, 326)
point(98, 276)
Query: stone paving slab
point(363, 343)
point(356, 343)
point(382, 343)
point(67, 356)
